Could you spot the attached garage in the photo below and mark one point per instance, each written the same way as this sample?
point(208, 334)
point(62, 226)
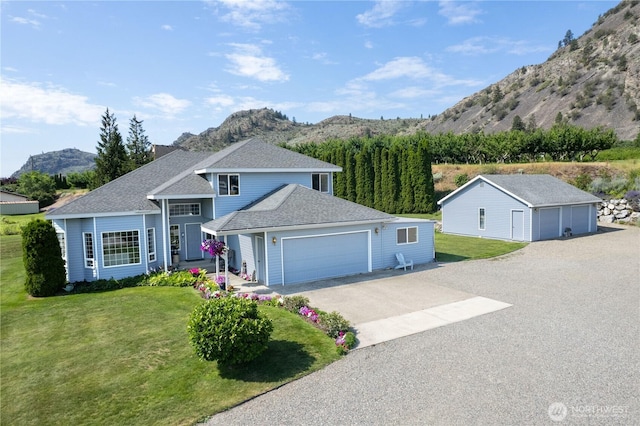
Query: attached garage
point(325, 256)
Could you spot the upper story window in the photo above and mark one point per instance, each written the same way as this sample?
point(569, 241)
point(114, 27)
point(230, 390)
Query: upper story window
point(320, 182)
point(187, 209)
point(229, 184)
point(407, 235)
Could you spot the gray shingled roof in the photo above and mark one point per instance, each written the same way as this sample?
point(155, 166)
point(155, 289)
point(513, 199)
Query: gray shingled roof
point(540, 190)
point(129, 193)
point(295, 205)
point(254, 153)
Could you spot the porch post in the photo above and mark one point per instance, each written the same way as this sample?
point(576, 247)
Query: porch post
point(165, 225)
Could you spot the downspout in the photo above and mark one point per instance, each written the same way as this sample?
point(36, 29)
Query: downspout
point(96, 268)
point(165, 225)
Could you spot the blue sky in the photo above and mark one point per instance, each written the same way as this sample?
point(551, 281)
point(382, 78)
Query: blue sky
point(186, 66)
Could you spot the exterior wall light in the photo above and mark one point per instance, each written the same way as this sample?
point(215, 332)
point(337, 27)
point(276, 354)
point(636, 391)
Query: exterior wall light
point(377, 231)
point(274, 240)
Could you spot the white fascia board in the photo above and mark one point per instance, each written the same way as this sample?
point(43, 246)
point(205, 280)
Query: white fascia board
point(480, 177)
point(290, 228)
point(178, 196)
point(270, 170)
point(109, 214)
point(460, 189)
point(575, 203)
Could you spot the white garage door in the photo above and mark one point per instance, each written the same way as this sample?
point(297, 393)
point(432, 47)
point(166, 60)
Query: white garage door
point(579, 219)
point(549, 223)
point(319, 257)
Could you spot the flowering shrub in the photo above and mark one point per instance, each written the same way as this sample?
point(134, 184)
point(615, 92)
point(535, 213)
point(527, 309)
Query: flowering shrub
point(214, 247)
point(345, 341)
point(307, 312)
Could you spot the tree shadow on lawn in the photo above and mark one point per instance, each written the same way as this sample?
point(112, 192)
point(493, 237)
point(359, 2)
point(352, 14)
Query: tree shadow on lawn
point(283, 359)
point(447, 257)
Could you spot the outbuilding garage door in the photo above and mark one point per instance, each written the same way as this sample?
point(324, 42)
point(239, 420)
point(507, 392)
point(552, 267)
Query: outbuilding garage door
point(549, 223)
point(579, 219)
point(319, 257)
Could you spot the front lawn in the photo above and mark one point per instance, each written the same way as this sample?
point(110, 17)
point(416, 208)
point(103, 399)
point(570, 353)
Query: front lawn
point(123, 357)
point(454, 248)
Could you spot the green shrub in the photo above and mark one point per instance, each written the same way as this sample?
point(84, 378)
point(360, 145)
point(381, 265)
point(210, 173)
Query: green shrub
point(172, 279)
point(42, 259)
point(294, 303)
point(461, 179)
point(332, 323)
point(229, 330)
point(583, 181)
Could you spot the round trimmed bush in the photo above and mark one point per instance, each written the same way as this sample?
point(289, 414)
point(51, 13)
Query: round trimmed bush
point(229, 330)
point(42, 258)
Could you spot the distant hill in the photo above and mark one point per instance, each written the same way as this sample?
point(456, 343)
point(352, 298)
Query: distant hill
point(59, 162)
point(590, 81)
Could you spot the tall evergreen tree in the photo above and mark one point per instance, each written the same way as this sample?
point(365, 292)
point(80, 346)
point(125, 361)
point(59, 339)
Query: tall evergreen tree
point(111, 161)
point(138, 145)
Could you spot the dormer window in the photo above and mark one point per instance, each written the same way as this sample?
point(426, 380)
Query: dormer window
point(320, 182)
point(229, 184)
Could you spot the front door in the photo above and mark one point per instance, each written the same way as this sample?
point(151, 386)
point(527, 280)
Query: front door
point(193, 241)
point(260, 271)
point(517, 225)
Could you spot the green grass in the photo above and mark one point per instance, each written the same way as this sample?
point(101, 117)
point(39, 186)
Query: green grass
point(123, 357)
point(454, 248)
point(10, 225)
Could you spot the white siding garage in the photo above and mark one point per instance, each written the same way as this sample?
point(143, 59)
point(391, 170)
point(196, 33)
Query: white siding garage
point(326, 256)
point(549, 223)
point(580, 219)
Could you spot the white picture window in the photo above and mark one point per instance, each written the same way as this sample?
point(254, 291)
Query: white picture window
point(151, 244)
point(407, 235)
point(120, 248)
point(481, 218)
point(229, 184)
point(89, 258)
point(320, 182)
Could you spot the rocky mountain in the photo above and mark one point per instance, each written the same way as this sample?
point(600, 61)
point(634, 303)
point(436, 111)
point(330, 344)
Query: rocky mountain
point(590, 81)
point(58, 162)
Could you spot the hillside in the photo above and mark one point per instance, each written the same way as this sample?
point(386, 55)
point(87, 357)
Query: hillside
point(58, 162)
point(592, 81)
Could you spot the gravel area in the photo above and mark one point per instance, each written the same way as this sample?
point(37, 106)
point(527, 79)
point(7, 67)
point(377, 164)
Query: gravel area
point(570, 341)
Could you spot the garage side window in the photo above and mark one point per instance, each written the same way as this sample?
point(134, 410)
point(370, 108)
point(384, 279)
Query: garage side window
point(407, 235)
point(481, 218)
point(320, 182)
point(229, 184)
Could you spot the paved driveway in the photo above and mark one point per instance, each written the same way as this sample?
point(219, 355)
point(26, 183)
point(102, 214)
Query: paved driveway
point(566, 350)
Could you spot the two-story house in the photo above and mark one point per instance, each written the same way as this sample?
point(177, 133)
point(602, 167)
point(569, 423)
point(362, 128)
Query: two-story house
point(274, 209)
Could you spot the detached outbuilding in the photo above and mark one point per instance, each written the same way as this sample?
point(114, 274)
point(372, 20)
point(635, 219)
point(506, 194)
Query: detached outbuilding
point(519, 208)
point(15, 204)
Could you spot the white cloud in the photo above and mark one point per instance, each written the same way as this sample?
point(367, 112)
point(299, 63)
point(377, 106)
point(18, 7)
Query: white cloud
point(458, 13)
point(6, 129)
point(414, 92)
point(248, 61)
point(220, 101)
point(368, 45)
point(26, 21)
point(381, 15)
point(168, 105)
point(486, 45)
point(167, 27)
point(10, 69)
point(46, 103)
point(251, 14)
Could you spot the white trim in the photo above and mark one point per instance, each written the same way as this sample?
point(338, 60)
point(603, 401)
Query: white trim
point(165, 229)
point(267, 170)
point(53, 216)
point(178, 196)
point(123, 264)
point(482, 219)
point(88, 260)
point(298, 227)
point(154, 252)
point(406, 228)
